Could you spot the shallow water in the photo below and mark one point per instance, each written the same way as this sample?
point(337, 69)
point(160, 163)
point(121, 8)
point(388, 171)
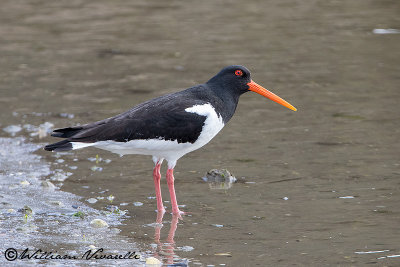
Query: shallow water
point(319, 186)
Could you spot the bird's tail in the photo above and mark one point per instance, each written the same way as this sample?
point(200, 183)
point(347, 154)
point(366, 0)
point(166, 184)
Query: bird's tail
point(63, 145)
point(67, 132)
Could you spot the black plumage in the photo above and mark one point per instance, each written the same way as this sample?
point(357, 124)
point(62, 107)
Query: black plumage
point(163, 117)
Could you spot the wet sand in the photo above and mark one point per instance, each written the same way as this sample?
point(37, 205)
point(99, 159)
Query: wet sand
point(320, 186)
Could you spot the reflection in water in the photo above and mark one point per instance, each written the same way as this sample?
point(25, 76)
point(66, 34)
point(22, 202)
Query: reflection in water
point(166, 250)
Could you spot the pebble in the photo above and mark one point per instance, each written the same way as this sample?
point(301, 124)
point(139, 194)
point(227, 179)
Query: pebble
point(24, 183)
point(60, 176)
point(96, 168)
point(26, 210)
point(222, 175)
point(92, 200)
point(98, 223)
point(47, 184)
point(186, 248)
point(153, 261)
point(56, 203)
point(12, 129)
point(219, 179)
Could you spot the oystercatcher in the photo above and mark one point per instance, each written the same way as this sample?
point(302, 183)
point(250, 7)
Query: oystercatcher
point(169, 126)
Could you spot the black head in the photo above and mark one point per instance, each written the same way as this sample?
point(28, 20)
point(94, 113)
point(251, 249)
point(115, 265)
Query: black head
point(232, 78)
point(235, 80)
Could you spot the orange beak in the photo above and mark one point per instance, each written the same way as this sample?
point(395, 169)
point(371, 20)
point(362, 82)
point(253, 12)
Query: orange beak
point(264, 92)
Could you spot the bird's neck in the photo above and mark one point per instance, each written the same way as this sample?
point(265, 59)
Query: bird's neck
point(228, 101)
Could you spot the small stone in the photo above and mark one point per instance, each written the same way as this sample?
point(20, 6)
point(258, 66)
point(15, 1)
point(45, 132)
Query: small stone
point(138, 204)
point(47, 184)
point(60, 176)
point(187, 248)
point(24, 183)
point(98, 223)
point(153, 261)
point(219, 175)
point(92, 247)
point(11, 211)
point(92, 200)
point(56, 203)
point(12, 129)
point(219, 179)
point(26, 210)
point(96, 168)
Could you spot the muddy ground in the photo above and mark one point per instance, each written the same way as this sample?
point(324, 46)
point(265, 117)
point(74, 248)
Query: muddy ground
point(318, 187)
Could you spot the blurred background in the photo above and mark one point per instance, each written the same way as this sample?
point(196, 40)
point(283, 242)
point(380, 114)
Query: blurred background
point(319, 186)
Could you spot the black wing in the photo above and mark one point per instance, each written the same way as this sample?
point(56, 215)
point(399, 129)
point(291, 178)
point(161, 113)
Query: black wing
point(160, 118)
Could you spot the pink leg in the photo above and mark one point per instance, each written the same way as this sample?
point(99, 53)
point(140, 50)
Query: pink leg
point(170, 182)
point(157, 178)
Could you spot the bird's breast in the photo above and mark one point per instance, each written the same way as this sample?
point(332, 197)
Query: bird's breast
point(212, 125)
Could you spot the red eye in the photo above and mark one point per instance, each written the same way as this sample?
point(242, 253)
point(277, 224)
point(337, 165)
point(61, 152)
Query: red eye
point(238, 72)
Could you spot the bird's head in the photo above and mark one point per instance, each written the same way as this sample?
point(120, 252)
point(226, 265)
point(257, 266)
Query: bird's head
point(237, 78)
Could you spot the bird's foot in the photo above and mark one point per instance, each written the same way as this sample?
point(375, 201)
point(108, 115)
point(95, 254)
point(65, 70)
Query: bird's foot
point(178, 213)
point(160, 211)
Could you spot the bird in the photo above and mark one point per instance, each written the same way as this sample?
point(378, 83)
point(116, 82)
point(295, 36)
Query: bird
point(169, 126)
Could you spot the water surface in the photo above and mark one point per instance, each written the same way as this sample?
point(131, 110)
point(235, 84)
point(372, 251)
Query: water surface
point(319, 186)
